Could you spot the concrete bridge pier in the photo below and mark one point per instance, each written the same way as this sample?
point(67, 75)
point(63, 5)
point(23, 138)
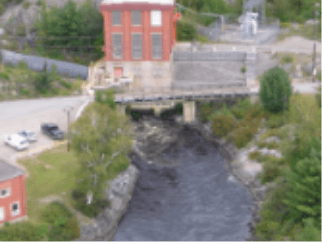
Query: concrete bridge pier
point(189, 111)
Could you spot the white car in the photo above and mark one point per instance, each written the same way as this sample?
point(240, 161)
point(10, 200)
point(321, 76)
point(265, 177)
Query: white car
point(16, 141)
point(29, 135)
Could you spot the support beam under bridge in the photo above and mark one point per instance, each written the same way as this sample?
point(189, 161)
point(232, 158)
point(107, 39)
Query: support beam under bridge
point(189, 108)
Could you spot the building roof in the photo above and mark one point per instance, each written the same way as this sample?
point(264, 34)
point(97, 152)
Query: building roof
point(8, 171)
point(172, 2)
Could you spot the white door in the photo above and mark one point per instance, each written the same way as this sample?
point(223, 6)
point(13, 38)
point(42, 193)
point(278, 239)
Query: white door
point(1, 214)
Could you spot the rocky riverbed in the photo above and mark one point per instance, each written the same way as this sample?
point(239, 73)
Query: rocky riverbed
point(153, 138)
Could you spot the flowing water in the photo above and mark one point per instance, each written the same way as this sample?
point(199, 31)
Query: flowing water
point(195, 200)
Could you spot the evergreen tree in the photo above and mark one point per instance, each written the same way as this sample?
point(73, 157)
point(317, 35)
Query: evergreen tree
point(304, 198)
point(274, 87)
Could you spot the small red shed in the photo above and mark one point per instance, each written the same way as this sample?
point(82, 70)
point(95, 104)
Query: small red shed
point(13, 205)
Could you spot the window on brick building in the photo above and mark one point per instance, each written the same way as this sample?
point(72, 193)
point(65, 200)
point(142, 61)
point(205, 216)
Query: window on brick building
point(117, 46)
point(156, 18)
point(15, 210)
point(136, 18)
point(137, 46)
point(4, 193)
point(156, 46)
point(116, 18)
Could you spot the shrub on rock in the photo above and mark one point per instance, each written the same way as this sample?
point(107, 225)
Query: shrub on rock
point(222, 125)
point(274, 86)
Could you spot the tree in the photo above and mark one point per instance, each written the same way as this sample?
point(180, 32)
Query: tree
point(304, 198)
point(310, 232)
point(43, 81)
point(101, 138)
point(274, 87)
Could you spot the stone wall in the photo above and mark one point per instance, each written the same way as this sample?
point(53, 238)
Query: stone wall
point(120, 191)
point(205, 67)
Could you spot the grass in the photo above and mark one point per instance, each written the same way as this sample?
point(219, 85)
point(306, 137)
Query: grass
point(23, 77)
point(306, 31)
point(51, 173)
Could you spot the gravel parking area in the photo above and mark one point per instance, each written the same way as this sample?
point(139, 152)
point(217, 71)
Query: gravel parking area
point(38, 114)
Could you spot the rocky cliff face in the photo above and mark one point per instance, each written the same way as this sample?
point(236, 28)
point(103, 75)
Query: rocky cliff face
point(17, 15)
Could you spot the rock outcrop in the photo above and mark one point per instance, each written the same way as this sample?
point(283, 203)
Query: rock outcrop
point(120, 191)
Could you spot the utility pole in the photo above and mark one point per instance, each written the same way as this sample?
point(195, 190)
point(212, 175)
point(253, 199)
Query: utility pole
point(68, 110)
point(314, 46)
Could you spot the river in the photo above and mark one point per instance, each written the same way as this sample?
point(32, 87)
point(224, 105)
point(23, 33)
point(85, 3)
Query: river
point(194, 200)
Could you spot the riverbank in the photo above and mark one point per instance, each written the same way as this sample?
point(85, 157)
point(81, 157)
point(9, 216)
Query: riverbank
point(242, 169)
point(120, 192)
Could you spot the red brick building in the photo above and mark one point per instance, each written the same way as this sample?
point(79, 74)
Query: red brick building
point(139, 36)
point(13, 205)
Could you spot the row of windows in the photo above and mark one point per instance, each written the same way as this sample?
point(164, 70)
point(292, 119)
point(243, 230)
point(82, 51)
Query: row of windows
point(156, 18)
point(15, 211)
point(117, 44)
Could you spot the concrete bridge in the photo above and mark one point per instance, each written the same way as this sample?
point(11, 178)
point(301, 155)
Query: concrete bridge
point(166, 98)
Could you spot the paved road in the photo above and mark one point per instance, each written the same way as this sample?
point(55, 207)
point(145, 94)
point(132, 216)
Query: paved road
point(301, 88)
point(29, 114)
point(295, 44)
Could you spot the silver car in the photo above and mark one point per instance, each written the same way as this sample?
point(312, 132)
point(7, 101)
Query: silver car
point(28, 135)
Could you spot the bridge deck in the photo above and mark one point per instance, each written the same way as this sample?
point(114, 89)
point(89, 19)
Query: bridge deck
point(180, 94)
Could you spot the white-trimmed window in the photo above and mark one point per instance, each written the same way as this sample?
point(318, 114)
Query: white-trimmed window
point(15, 209)
point(117, 46)
point(137, 46)
point(116, 18)
point(4, 192)
point(136, 17)
point(2, 215)
point(156, 18)
point(156, 46)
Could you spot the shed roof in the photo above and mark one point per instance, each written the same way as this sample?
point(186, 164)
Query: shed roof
point(8, 171)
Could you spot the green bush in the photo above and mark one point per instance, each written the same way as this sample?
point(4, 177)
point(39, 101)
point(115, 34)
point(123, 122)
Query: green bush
point(91, 210)
point(26, 4)
point(244, 132)
point(243, 69)
point(240, 108)
point(24, 92)
point(224, 111)
point(64, 229)
point(262, 144)
point(178, 108)
point(273, 145)
point(186, 31)
point(270, 172)
point(204, 113)
point(2, 8)
point(23, 231)
point(275, 121)
point(287, 59)
point(66, 84)
point(55, 210)
point(285, 24)
point(274, 87)
point(222, 125)
point(254, 155)
point(4, 76)
point(106, 96)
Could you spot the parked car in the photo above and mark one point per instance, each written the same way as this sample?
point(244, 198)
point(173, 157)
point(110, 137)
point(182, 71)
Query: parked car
point(29, 135)
point(16, 141)
point(52, 131)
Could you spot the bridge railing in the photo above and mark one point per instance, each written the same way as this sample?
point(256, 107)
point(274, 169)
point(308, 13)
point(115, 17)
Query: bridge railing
point(167, 92)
